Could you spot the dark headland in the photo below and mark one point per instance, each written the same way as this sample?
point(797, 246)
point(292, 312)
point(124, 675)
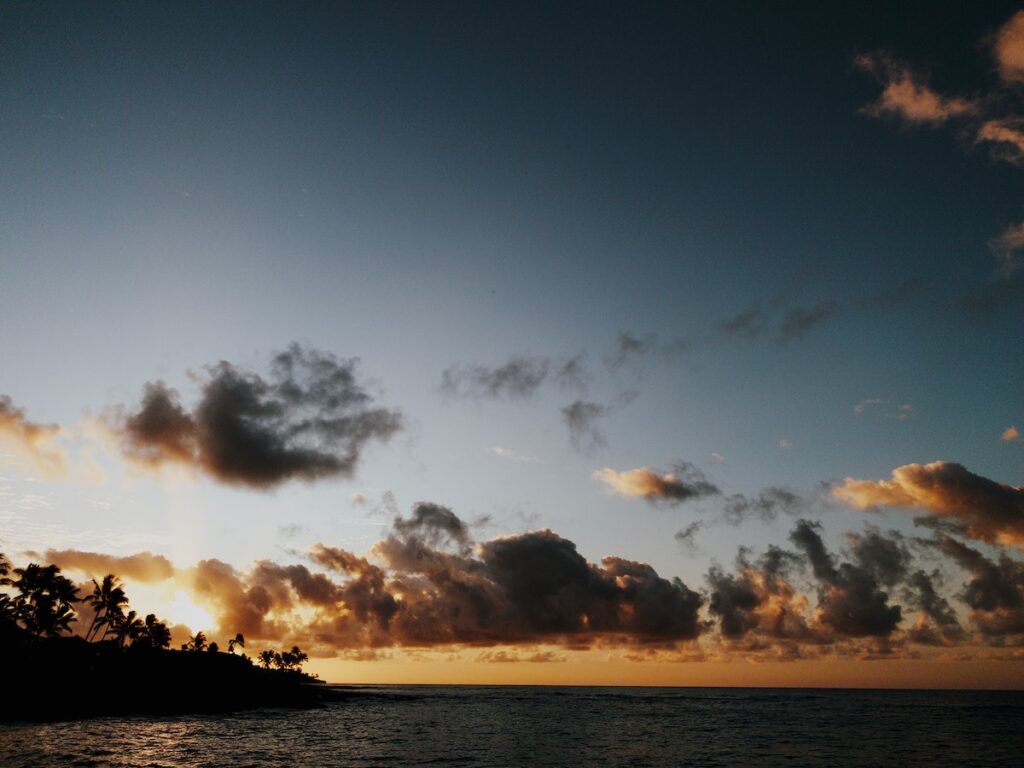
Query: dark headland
point(122, 664)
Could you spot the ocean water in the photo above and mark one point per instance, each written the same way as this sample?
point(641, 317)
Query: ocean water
point(543, 726)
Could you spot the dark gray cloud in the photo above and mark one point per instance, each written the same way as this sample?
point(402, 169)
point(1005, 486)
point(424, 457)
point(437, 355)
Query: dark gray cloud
point(309, 419)
point(938, 623)
point(799, 321)
point(687, 536)
point(995, 592)
point(519, 378)
point(628, 346)
point(582, 417)
point(759, 599)
point(986, 300)
point(435, 524)
point(748, 324)
point(850, 599)
point(766, 505)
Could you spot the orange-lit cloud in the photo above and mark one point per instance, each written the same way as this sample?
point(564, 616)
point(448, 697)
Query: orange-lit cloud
point(1010, 435)
point(1009, 49)
point(142, 566)
point(907, 96)
point(683, 483)
point(985, 509)
point(30, 440)
point(1008, 136)
point(427, 588)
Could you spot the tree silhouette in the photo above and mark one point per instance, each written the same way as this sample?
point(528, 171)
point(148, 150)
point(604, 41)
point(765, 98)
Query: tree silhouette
point(237, 640)
point(266, 659)
point(44, 603)
point(196, 644)
point(293, 659)
point(6, 609)
point(127, 627)
point(154, 633)
point(108, 601)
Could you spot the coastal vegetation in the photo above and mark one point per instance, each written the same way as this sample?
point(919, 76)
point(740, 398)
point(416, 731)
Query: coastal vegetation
point(84, 652)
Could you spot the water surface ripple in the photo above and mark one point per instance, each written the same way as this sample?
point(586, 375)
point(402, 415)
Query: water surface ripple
point(541, 726)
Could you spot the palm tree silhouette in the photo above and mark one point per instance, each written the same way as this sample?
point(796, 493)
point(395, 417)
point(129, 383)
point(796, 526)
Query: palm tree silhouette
point(197, 643)
point(155, 633)
point(6, 606)
point(45, 600)
point(266, 658)
point(237, 640)
point(108, 601)
point(127, 627)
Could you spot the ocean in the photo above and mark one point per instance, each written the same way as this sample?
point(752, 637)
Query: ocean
point(549, 726)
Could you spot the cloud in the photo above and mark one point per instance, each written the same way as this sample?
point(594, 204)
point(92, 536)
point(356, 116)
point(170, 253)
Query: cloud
point(310, 419)
point(142, 566)
point(984, 300)
point(31, 440)
point(687, 536)
point(907, 96)
point(785, 444)
point(505, 657)
point(428, 585)
point(629, 346)
point(1008, 248)
point(850, 600)
point(519, 378)
point(581, 417)
point(434, 524)
point(799, 321)
point(901, 412)
point(683, 483)
point(995, 593)
point(1009, 49)
point(1010, 435)
point(766, 505)
point(859, 408)
point(984, 509)
point(748, 324)
point(759, 599)
point(937, 622)
point(1008, 136)
point(508, 453)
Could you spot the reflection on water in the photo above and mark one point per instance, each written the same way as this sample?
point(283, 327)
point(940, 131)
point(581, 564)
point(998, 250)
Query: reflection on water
point(485, 726)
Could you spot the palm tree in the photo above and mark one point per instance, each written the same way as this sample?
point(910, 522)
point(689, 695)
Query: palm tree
point(127, 627)
point(6, 608)
point(155, 633)
point(108, 601)
point(294, 658)
point(45, 601)
point(266, 659)
point(197, 643)
point(237, 640)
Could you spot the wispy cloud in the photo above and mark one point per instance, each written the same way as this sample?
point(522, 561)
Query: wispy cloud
point(508, 453)
point(907, 96)
point(32, 441)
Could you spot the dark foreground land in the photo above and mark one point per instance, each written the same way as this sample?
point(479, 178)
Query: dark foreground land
point(63, 678)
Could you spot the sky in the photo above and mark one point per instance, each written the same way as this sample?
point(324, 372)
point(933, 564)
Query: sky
point(539, 343)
